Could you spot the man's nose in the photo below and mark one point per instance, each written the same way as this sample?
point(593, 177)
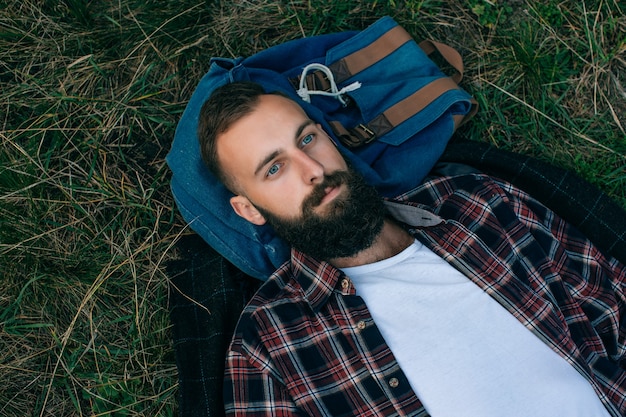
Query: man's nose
point(312, 171)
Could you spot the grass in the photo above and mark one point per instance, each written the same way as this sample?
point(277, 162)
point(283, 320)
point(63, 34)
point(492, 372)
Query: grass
point(90, 94)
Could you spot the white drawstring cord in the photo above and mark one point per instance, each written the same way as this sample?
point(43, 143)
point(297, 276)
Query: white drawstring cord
point(305, 93)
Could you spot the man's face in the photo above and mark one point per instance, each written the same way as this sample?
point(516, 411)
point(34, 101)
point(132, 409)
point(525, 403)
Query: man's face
point(289, 173)
point(277, 155)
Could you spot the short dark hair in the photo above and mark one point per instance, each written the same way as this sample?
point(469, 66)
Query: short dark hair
point(225, 106)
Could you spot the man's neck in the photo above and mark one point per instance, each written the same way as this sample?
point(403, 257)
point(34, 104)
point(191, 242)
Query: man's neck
point(391, 240)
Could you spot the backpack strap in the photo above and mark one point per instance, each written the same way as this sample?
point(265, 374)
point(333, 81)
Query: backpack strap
point(363, 134)
point(357, 61)
point(451, 55)
point(362, 59)
point(376, 51)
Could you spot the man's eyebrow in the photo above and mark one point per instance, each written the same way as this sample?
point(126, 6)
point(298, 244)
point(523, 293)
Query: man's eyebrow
point(266, 161)
point(274, 154)
point(303, 126)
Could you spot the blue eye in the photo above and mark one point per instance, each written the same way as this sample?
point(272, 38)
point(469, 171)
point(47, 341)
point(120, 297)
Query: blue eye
point(273, 170)
point(307, 139)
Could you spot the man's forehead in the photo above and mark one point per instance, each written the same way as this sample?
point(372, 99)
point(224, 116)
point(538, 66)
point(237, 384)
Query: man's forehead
point(272, 123)
point(278, 101)
point(271, 108)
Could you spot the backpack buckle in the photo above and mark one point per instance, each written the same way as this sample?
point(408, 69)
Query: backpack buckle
point(369, 135)
point(359, 135)
point(355, 137)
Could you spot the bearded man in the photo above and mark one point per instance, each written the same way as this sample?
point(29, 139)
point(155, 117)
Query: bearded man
point(465, 297)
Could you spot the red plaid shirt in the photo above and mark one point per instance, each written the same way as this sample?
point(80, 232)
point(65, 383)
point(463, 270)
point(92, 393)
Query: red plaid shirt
point(307, 345)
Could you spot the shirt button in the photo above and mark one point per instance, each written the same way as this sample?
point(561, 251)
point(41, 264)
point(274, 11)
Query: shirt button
point(393, 382)
point(345, 283)
point(361, 325)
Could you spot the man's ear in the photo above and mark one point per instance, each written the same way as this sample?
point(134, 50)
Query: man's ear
point(244, 208)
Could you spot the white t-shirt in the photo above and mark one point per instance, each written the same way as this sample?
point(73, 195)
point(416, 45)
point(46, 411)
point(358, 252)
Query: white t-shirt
point(463, 353)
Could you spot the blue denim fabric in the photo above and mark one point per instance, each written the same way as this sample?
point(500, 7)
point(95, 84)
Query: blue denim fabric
point(204, 202)
point(394, 163)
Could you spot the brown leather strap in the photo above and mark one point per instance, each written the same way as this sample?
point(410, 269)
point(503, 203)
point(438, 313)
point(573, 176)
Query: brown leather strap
point(416, 102)
point(394, 115)
point(404, 109)
point(355, 137)
point(471, 113)
point(376, 51)
point(448, 53)
point(371, 54)
point(357, 61)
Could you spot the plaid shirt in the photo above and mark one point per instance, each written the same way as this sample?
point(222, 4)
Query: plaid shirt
point(307, 345)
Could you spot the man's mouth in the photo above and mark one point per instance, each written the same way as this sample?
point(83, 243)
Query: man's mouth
point(326, 192)
point(331, 193)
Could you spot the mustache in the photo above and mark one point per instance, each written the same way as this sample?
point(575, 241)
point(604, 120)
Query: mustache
point(331, 180)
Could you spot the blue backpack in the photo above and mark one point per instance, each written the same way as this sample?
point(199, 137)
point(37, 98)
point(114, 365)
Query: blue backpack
point(385, 103)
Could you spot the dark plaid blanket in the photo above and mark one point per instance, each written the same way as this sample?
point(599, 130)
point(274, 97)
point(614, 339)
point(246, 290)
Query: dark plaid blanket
point(207, 292)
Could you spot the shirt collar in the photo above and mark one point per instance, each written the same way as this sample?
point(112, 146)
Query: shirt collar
point(318, 279)
point(412, 215)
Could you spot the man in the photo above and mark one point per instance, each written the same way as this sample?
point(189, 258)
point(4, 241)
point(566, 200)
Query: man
point(464, 298)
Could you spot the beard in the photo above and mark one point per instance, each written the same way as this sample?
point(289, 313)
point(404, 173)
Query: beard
point(348, 225)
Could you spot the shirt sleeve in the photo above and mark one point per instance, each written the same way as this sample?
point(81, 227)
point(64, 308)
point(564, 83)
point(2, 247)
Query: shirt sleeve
point(250, 389)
